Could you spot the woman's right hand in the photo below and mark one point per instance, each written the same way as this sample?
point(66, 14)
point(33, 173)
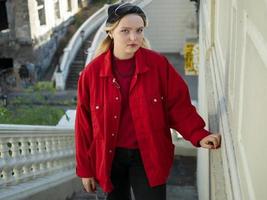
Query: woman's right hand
point(89, 184)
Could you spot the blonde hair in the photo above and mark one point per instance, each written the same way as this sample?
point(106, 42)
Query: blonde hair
point(107, 42)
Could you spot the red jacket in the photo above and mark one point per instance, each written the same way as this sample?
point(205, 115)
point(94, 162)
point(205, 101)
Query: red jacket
point(158, 99)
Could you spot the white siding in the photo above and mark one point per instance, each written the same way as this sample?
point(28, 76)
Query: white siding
point(237, 52)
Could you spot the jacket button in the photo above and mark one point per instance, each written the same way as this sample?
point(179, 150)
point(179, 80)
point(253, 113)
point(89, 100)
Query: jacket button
point(115, 116)
point(97, 107)
point(155, 100)
point(113, 134)
point(117, 98)
point(110, 151)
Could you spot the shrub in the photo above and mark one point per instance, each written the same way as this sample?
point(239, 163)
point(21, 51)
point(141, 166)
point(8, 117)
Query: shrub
point(31, 115)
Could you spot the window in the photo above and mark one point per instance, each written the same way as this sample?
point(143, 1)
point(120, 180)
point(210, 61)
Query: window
point(3, 16)
point(6, 63)
point(80, 4)
point(69, 8)
point(41, 11)
point(57, 9)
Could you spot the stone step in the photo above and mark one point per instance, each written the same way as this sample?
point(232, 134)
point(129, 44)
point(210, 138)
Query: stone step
point(76, 68)
point(78, 64)
point(74, 73)
point(73, 79)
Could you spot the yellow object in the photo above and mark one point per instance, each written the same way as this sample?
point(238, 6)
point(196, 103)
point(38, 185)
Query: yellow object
point(191, 59)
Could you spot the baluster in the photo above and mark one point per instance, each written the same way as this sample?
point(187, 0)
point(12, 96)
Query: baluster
point(26, 173)
point(49, 145)
point(42, 145)
point(29, 169)
point(16, 158)
point(16, 174)
point(3, 177)
point(50, 166)
point(14, 148)
point(53, 147)
point(25, 154)
point(29, 147)
point(8, 158)
point(3, 150)
point(20, 157)
point(63, 143)
point(33, 146)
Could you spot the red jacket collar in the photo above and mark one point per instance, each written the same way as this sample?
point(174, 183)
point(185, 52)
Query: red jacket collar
point(140, 62)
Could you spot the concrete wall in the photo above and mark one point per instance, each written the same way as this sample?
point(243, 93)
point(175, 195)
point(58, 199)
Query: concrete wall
point(173, 22)
point(233, 44)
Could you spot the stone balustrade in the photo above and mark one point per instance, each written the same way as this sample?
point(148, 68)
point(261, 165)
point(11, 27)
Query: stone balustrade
point(31, 154)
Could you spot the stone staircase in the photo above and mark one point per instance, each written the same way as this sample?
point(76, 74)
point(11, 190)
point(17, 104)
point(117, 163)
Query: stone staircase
point(76, 67)
point(78, 64)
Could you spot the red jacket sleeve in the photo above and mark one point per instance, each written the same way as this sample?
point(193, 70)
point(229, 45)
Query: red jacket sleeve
point(182, 115)
point(83, 129)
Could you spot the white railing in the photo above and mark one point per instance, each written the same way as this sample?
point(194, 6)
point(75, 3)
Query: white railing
point(75, 44)
point(33, 158)
point(99, 36)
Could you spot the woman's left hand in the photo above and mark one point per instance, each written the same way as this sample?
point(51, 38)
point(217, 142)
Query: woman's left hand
point(212, 141)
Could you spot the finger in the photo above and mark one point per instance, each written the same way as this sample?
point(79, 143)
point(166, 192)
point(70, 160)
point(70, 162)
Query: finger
point(218, 141)
point(215, 142)
point(207, 145)
point(218, 137)
point(210, 143)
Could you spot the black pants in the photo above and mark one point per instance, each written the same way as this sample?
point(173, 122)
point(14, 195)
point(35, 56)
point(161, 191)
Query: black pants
point(128, 171)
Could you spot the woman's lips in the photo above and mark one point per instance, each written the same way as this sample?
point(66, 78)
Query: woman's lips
point(132, 45)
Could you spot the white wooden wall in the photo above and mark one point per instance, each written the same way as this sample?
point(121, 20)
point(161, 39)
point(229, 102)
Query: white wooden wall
point(233, 42)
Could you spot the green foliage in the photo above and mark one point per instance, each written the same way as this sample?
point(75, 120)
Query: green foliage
point(20, 100)
point(32, 115)
point(41, 86)
point(3, 112)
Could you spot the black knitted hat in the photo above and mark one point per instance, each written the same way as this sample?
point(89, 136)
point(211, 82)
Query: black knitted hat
point(119, 10)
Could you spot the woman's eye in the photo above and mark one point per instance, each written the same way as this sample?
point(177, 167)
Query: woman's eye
point(140, 30)
point(124, 31)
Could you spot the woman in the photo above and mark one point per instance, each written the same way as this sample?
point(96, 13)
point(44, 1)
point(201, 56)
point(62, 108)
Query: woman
point(128, 99)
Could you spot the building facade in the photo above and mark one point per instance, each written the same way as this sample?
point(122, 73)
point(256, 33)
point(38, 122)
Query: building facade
point(30, 31)
point(232, 97)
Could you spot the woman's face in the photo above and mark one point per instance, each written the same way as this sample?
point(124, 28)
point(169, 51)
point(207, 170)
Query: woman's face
point(128, 36)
